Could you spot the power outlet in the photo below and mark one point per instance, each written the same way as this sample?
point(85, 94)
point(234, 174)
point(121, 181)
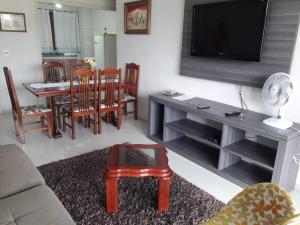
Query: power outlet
point(6, 53)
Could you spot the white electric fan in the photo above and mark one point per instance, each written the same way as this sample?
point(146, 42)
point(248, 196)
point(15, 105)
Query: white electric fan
point(276, 93)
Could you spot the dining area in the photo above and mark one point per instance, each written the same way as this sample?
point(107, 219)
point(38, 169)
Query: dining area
point(86, 96)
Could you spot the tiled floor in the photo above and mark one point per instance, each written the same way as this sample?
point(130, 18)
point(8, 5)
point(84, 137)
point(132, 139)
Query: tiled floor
point(43, 150)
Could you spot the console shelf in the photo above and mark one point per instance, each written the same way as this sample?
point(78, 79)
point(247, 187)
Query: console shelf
point(199, 153)
point(157, 138)
point(254, 152)
point(245, 174)
point(243, 151)
point(198, 131)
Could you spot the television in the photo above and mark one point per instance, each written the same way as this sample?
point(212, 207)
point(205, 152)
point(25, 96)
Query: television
point(231, 29)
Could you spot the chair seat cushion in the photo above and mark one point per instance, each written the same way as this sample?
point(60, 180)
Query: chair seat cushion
point(36, 206)
point(103, 106)
point(61, 100)
point(126, 97)
point(17, 173)
point(67, 108)
point(34, 109)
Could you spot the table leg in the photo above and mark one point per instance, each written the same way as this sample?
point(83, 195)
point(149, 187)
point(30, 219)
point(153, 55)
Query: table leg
point(56, 133)
point(111, 195)
point(164, 193)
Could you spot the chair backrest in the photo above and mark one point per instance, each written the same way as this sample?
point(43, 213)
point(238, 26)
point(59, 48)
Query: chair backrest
point(110, 87)
point(79, 64)
point(54, 72)
point(83, 86)
point(12, 92)
point(132, 76)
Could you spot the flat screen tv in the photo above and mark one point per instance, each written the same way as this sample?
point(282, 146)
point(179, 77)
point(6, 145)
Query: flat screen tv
point(232, 29)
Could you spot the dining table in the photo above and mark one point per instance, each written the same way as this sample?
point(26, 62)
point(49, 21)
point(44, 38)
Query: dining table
point(52, 90)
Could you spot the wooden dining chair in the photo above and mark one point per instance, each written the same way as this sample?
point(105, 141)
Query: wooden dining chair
point(55, 72)
point(22, 113)
point(130, 94)
point(79, 64)
point(83, 87)
point(109, 95)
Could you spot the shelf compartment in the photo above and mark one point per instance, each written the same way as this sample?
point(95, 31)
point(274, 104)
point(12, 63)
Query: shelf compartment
point(259, 154)
point(157, 138)
point(200, 132)
point(195, 151)
point(156, 122)
point(245, 174)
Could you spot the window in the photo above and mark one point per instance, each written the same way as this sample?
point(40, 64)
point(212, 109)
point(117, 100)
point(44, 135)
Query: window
point(59, 31)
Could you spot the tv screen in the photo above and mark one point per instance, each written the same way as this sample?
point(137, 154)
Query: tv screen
point(232, 30)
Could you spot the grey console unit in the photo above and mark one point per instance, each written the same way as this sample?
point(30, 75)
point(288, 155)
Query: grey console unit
point(242, 151)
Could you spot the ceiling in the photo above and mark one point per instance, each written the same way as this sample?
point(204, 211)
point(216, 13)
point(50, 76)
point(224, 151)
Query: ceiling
point(95, 4)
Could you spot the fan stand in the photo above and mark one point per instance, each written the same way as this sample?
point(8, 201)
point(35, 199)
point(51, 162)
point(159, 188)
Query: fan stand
point(278, 122)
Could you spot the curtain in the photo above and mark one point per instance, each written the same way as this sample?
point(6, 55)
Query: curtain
point(66, 27)
point(45, 31)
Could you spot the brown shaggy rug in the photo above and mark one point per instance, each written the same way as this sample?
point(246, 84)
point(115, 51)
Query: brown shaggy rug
point(79, 183)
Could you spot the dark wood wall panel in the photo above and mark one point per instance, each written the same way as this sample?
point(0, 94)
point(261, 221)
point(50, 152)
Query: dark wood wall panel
point(279, 41)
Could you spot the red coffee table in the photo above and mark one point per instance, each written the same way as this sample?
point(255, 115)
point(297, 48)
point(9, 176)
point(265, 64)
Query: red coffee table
point(129, 160)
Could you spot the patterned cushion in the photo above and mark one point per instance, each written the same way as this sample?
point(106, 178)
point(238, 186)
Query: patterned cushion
point(26, 110)
point(67, 108)
point(126, 97)
point(260, 204)
point(103, 106)
point(62, 100)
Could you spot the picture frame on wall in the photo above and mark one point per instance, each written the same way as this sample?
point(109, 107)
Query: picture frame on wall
point(137, 17)
point(12, 22)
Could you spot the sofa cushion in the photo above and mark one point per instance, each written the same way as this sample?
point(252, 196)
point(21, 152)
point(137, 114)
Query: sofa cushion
point(36, 206)
point(5, 216)
point(17, 172)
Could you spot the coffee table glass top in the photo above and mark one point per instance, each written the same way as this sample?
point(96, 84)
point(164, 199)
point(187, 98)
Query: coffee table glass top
point(136, 156)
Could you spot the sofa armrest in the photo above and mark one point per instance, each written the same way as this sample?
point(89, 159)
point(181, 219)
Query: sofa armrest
point(17, 172)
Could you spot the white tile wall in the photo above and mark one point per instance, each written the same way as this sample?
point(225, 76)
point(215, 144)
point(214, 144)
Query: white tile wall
point(86, 32)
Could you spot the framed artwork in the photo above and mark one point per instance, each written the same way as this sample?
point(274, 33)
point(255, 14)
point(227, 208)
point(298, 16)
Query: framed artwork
point(137, 17)
point(12, 22)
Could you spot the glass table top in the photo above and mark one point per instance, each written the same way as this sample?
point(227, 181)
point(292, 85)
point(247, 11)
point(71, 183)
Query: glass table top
point(138, 157)
point(138, 160)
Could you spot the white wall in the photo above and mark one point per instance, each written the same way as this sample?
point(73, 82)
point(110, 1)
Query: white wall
point(104, 19)
point(159, 57)
point(293, 108)
point(25, 58)
point(93, 22)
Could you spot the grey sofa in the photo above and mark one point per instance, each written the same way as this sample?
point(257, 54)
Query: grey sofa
point(25, 199)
